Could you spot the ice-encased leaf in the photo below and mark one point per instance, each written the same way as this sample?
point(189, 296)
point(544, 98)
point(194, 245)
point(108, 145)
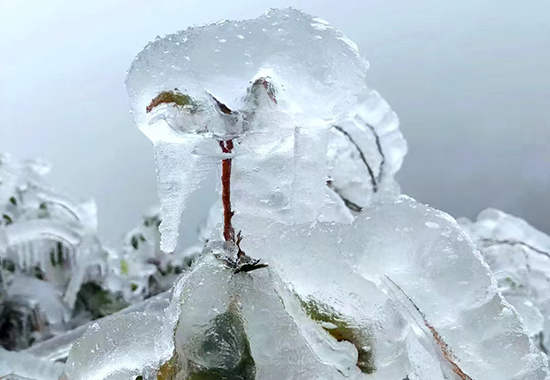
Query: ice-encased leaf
point(450, 290)
point(320, 70)
point(519, 256)
point(276, 340)
point(41, 294)
point(223, 350)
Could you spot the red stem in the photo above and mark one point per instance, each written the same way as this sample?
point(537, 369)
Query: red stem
point(228, 231)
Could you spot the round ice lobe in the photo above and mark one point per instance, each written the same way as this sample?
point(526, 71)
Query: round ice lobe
point(313, 72)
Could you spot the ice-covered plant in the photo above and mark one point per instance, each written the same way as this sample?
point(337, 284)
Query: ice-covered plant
point(373, 283)
point(519, 256)
point(54, 273)
point(47, 245)
point(303, 125)
point(362, 282)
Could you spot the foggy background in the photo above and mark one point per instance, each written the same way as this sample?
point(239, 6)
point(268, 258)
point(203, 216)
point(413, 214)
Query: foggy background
point(470, 81)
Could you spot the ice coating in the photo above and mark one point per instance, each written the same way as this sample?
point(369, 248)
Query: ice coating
point(359, 286)
point(519, 256)
point(16, 365)
point(320, 73)
point(218, 323)
point(273, 336)
point(420, 260)
point(117, 348)
point(365, 151)
point(290, 91)
point(54, 272)
point(41, 228)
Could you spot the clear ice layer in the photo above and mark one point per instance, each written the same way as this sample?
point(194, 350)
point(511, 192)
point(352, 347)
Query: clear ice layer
point(362, 283)
point(312, 142)
point(404, 266)
point(401, 292)
point(519, 256)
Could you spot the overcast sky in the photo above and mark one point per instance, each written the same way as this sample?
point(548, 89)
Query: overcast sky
point(470, 81)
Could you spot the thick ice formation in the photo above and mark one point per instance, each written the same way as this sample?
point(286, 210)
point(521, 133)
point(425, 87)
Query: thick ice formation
point(222, 335)
point(338, 301)
point(519, 256)
point(121, 347)
point(243, 328)
point(362, 283)
point(289, 91)
point(416, 259)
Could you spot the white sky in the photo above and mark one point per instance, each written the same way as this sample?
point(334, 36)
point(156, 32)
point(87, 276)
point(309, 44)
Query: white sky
point(470, 81)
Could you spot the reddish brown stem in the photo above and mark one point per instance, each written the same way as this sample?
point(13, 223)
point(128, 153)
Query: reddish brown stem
point(228, 231)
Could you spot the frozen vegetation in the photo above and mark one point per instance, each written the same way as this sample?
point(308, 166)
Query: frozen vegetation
point(55, 274)
point(311, 266)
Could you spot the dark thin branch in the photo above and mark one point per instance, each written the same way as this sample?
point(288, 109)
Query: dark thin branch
point(514, 243)
point(379, 146)
point(222, 107)
point(361, 155)
point(349, 204)
point(445, 350)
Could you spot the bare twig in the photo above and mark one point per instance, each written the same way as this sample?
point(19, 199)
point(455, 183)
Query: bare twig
point(514, 243)
point(361, 155)
point(379, 146)
point(349, 204)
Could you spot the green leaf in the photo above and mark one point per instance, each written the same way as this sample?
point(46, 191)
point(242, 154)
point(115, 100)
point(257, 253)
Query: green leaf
point(224, 353)
point(8, 265)
point(7, 219)
point(344, 330)
point(98, 301)
point(124, 267)
point(173, 97)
